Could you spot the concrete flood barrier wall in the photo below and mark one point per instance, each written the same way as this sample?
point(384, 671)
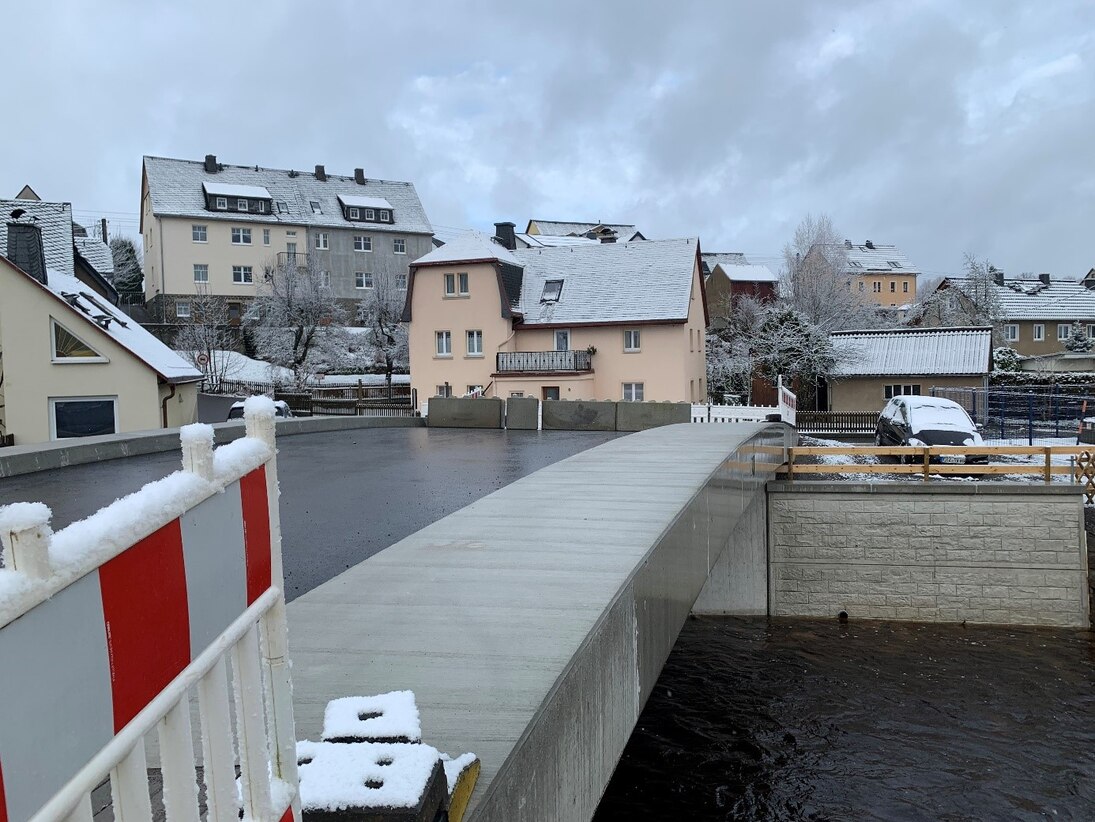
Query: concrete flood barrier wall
point(533, 624)
point(983, 552)
point(579, 415)
point(460, 412)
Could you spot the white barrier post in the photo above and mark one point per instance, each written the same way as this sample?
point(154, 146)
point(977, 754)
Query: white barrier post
point(25, 538)
point(274, 626)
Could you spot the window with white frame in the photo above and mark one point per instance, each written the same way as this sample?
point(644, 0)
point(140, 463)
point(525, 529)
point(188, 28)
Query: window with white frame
point(475, 343)
point(322, 240)
point(262, 206)
point(315, 206)
point(399, 245)
point(1039, 332)
point(1011, 332)
point(67, 347)
point(241, 236)
point(401, 282)
point(363, 242)
point(631, 339)
point(325, 279)
point(562, 339)
point(266, 236)
point(182, 309)
point(898, 390)
point(370, 214)
point(355, 213)
point(199, 233)
point(222, 203)
point(1091, 331)
point(905, 287)
point(242, 274)
point(553, 289)
point(283, 208)
point(82, 416)
point(363, 279)
point(878, 288)
point(462, 284)
point(444, 343)
point(893, 286)
point(241, 205)
point(1064, 331)
point(443, 391)
point(633, 391)
point(450, 285)
point(385, 215)
point(201, 273)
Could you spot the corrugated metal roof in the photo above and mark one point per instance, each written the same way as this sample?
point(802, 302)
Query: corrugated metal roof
point(55, 222)
point(176, 189)
point(641, 281)
point(913, 352)
point(881, 258)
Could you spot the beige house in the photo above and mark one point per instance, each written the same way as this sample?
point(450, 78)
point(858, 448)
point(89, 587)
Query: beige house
point(874, 366)
point(215, 228)
point(72, 364)
point(597, 321)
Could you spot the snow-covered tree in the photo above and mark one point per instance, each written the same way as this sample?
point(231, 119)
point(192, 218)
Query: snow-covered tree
point(380, 312)
point(972, 299)
point(1005, 359)
point(298, 320)
point(731, 361)
point(206, 339)
point(1078, 340)
point(788, 344)
point(128, 276)
point(815, 280)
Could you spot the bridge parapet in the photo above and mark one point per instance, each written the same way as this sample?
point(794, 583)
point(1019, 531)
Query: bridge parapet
point(107, 626)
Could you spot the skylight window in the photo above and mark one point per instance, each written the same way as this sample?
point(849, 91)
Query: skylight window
point(315, 206)
point(552, 290)
point(894, 263)
point(282, 207)
point(855, 264)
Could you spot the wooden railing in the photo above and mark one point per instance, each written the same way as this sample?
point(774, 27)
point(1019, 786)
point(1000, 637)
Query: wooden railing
point(112, 626)
point(928, 461)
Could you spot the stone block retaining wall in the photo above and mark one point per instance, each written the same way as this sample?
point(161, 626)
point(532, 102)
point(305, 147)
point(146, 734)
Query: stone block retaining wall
point(984, 552)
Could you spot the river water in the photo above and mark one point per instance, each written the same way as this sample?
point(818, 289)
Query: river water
point(757, 719)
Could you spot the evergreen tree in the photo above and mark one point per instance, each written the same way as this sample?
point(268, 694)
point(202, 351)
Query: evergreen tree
point(128, 276)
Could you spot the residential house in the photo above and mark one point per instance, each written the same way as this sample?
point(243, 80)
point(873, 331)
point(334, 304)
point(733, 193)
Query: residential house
point(215, 228)
point(545, 233)
point(1036, 316)
point(71, 363)
point(726, 279)
point(881, 273)
point(593, 321)
point(875, 365)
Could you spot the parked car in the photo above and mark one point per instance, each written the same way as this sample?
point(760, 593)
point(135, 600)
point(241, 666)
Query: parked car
point(916, 420)
point(281, 409)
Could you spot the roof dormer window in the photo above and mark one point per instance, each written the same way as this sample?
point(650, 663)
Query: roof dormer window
point(552, 290)
point(222, 203)
point(355, 213)
point(370, 214)
point(241, 205)
point(385, 215)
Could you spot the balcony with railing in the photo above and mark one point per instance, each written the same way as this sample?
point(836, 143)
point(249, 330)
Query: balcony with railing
point(526, 362)
point(288, 260)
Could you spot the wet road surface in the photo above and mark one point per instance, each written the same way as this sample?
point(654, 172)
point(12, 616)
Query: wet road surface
point(344, 495)
point(801, 719)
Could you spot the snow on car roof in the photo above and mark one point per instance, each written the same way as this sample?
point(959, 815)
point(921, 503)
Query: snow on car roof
point(920, 401)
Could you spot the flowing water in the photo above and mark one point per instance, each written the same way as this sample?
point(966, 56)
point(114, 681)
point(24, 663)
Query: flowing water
point(759, 719)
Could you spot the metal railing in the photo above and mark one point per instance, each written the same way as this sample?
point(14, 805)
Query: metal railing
point(544, 361)
point(292, 259)
point(187, 574)
point(837, 422)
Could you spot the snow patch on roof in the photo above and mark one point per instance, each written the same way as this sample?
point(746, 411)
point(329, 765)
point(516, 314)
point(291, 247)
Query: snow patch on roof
point(468, 247)
point(231, 190)
point(881, 258)
point(736, 272)
point(97, 254)
point(364, 202)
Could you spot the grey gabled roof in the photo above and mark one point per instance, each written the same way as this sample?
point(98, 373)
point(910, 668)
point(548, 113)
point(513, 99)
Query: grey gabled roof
point(881, 258)
point(906, 352)
point(561, 228)
point(710, 259)
point(55, 222)
point(641, 281)
point(1019, 299)
point(176, 190)
point(471, 246)
point(97, 254)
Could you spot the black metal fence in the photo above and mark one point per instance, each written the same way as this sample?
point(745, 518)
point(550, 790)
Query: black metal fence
point(534, 361)
point(1025, 414)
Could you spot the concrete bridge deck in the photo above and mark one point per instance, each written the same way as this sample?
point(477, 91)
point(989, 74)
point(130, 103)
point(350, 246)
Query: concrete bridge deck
point(533, 623)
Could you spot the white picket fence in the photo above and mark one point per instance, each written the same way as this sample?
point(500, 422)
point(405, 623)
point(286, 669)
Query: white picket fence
point(110, 627)
point(787, 409)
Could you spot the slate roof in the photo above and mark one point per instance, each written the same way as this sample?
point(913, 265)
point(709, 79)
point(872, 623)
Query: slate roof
point(176, 191)
point(55, 222)
point(97, 254)
point(1066, 300)
point(471, 246)
point(552, 240)
point(747, 273)
point(913, 352)
point(880, 259)
point(710, 259)
point(561, 229)
point(641, 281)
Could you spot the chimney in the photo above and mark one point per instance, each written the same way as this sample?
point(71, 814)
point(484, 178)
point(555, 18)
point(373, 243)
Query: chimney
point(321, 174)
point(869, 244)
point(504, 232)
point(26, 251)
point(359, 176)
point(997, 275)
point(211, 166)
point(608, 238)
point(102, 227)
point(848, 244)
point(1044, 277)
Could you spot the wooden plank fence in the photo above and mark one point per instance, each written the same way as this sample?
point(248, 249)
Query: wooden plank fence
point(837, 422)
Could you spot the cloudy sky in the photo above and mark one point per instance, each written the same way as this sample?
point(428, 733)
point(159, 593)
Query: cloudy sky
point(943, 127)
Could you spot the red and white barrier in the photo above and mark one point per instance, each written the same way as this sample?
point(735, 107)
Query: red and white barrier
point(106, 626)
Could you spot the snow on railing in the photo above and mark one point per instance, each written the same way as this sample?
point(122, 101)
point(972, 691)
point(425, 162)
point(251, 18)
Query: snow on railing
point(107, 626)
point(786, 408)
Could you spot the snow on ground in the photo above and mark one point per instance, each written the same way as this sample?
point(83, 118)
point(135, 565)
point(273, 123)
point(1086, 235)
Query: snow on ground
point(242, 368)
